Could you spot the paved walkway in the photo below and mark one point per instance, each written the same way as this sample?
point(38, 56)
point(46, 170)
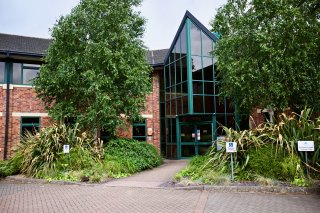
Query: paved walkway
point(152, 178)
point(141, 193)
point(33, 198)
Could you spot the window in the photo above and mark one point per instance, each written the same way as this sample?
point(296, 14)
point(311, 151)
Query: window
point(24, 73)
point(139, 131)
point(2, 67)
point(29, 124)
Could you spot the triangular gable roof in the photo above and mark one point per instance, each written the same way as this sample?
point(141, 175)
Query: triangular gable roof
point(197, 23)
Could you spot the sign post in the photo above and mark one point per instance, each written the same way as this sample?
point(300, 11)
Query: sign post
point(66, 149)
point(306, 146)
point(231, 147)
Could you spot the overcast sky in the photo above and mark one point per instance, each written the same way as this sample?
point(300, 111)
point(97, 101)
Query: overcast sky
point(35, 17)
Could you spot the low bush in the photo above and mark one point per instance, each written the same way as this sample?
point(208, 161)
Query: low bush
point(268, 152)
point(42, 156)
point(137, 156)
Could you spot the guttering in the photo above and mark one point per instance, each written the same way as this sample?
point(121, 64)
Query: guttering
point(8, 53)
point(6, 134)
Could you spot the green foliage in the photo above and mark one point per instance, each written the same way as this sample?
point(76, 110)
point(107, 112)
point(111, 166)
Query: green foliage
point(95, 69)
point(137, 156)
point(268, 53)
point(42, 152)
point(42, 156)
point(266, 153)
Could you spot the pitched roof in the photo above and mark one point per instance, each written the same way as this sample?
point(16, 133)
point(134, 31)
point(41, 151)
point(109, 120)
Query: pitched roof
point(24, 44)
point(156, 57)
point(38, 47)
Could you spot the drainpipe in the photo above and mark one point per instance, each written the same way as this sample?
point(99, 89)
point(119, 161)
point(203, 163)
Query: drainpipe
point(6, 137)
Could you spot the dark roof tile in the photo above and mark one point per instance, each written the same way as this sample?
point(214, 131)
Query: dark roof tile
point(32, 45)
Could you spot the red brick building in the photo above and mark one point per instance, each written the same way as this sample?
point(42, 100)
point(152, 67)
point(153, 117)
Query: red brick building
point(182, 115)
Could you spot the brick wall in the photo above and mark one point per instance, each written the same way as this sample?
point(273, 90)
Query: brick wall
point(151, 113)
point(22, 100)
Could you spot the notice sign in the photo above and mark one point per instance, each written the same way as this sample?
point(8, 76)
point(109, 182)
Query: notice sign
point(231, 146)
point(66, 148)
point(306, 146)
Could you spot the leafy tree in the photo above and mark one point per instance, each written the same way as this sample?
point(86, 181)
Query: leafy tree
point(95, 68)
point(269, 52)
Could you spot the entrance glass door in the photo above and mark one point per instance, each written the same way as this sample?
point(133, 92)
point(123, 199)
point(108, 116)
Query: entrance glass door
point(195, 139)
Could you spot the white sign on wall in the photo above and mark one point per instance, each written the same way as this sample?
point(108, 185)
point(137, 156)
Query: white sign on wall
point(231, 146)
point(66, 148)
point(305, 146)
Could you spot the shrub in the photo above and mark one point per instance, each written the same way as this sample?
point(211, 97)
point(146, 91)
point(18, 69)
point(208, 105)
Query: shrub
point(41, 154)
point(134, 155)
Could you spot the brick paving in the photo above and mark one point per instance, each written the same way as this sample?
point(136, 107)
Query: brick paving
point(152, 178)
point(31, 197)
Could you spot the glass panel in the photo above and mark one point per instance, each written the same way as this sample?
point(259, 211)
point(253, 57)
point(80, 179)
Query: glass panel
point(178, 90)
point(209, 107)
point(220, 122)
point(196, 68)
point(167, 71)
point(206, 45)
point(198, 104)
point(184, 89)
point(173, 107)
point(183, 37)
point(161, 81)
point(16, 73)
point(179, 106)
point(2, 67)
point(187, 151)
point(30, 120)
point(172, 151)
point(174, 132)
point(187, 133)
point(208, 88)
point(197, 87)
point(208, 69)
point(29, 75)
point(162, 110)
point(172, 74)
point(139, 130)
point(178, 71)
point(205, 132)
point(195, 40)
point(185, 104)
point(178, 48)
point(203, 149)
point(31, 129)
point(184, 69)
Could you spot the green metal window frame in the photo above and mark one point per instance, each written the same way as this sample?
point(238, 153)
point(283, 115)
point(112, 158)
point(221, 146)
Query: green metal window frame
point(192, 93)
point(136, 124)
point(24, 66)
point(38, 124)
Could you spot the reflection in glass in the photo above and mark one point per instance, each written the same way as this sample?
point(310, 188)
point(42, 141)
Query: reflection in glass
point(196, 63)
point(195, 40)
point(183, 37)
point(178, 48)
point(2, 67)
point(206, 45)
point(29, 75)
point(16, 73)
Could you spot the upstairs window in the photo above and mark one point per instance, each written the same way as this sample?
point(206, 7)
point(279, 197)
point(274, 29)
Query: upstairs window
point(24, 73)
point(2, 67)
point(139, 131)
point(29, 124)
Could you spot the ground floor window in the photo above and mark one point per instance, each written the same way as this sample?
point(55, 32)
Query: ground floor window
point(29, 124)
point(139, 131)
